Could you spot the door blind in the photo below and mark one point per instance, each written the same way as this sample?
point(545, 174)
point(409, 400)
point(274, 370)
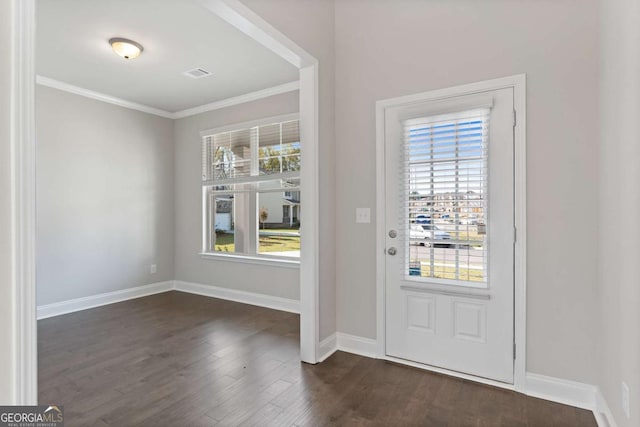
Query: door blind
point(444, 199)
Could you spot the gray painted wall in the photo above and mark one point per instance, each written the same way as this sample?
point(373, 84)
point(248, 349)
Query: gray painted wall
point(104, 197)
point(310, 24)
point(386, 49)
point(619, 204)
point(189, 266)
point(6, 295)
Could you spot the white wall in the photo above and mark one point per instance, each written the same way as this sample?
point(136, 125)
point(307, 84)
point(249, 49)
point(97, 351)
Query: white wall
point(619, 205)
point(6, 295)
point(104, 197)
point(390, 48)
point(189, 266)
point(310, 24)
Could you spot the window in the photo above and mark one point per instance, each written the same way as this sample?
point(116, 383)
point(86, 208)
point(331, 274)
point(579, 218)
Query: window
point(251, 190)
point(446, 188)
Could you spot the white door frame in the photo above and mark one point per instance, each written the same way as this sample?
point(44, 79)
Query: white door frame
point(23, 192)
point(23, 174)
point(518, 83)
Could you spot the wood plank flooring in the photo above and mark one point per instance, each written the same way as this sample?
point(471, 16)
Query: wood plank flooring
point(176, 359)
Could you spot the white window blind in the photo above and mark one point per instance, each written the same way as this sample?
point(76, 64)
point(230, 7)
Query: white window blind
point(227, 156)
point(445, 197)
point(260, 153)
point(246, 175)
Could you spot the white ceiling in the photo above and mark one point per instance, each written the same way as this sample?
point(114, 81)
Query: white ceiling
point(177, 35)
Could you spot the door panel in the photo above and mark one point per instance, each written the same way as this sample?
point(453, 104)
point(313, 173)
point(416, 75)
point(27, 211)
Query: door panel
point(450, 199)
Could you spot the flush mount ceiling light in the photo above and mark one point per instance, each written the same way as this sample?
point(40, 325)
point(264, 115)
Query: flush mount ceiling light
point(128, 49)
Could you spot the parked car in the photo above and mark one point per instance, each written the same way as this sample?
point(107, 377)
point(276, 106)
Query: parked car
point(422, 234)
point(423, 219)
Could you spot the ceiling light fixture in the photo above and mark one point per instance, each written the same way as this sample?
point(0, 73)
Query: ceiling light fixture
point(128, 49)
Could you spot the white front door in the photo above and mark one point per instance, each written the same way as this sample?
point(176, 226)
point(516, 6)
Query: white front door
point(449, 267)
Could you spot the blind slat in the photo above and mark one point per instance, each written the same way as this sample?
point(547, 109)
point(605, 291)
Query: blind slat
point(252, 179)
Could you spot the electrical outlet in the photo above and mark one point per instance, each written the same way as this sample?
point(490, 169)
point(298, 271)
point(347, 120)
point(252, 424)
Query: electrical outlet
point(153, 269)
point(625, 399)
point(363, 215)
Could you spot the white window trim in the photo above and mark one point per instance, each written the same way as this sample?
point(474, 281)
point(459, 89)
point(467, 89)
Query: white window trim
point(247, 258)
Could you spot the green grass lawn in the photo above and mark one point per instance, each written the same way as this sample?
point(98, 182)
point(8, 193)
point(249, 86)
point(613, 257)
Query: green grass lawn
point(225, 243)
point(279, 243)
point(268, 243)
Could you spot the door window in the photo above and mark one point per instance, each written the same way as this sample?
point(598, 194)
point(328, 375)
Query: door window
point(445, 186)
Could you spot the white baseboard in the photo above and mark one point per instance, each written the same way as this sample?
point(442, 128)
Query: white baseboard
point(602, 412)
point(84, 303)
point(580, 395)
point(268, 301)
point(327, 347)
point(78, 304)
point(366, 347)
point(571, 393)
point(562, 391)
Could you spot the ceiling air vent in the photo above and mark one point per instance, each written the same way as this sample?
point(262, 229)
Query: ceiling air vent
point(197, 73)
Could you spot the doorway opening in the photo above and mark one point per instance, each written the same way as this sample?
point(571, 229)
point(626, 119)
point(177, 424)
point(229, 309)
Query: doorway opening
point(24, 178)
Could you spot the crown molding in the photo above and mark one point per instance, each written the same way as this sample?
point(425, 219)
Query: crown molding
point(240, 99)
point(66, 87)
point(236, 100)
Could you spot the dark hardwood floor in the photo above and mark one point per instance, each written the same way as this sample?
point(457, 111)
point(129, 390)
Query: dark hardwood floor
point(176, 359)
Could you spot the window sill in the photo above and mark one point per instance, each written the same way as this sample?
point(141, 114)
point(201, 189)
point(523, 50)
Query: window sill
point(256, 260)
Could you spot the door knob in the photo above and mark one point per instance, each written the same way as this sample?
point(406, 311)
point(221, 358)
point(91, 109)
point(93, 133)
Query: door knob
point(392, 251)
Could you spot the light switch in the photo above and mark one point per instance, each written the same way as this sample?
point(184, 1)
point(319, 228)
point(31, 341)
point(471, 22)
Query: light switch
point(363, 215)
